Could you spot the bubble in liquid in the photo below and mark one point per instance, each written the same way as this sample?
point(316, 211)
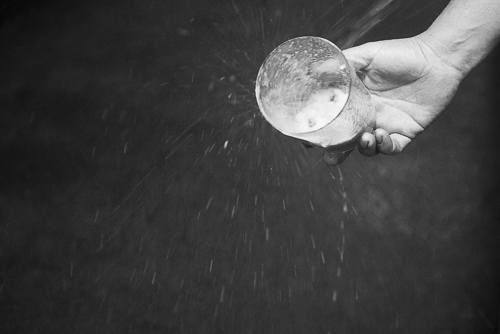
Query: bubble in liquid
point(321, 108)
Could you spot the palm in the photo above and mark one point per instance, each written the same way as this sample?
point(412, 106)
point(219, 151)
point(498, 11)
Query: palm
point(410, 85)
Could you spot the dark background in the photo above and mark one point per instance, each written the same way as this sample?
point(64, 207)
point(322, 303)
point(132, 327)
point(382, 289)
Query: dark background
point(142, 192)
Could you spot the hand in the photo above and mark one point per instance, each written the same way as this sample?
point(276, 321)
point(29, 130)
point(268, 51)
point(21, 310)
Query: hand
point(410, 84)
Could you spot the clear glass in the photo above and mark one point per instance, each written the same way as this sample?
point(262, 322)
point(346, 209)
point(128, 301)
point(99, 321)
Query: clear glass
point(307, 89)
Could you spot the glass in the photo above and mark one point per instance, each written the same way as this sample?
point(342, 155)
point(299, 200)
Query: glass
point(306, 89)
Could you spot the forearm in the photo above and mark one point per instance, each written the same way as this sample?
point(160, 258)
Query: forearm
point(465, 32)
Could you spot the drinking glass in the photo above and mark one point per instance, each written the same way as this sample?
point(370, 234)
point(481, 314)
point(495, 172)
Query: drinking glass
point(307, 89)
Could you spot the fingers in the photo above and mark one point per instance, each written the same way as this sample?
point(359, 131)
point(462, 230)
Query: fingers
point(371, 144)
point(380, 141)
point(367, 145)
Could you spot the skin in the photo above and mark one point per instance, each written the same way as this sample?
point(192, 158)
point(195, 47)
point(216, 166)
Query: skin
point(413, 80)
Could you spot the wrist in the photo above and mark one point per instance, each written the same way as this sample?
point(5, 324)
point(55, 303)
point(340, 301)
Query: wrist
point(450, 50)
point(464, 33)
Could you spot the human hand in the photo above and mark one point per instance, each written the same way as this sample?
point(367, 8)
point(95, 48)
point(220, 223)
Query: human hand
point(411, 84)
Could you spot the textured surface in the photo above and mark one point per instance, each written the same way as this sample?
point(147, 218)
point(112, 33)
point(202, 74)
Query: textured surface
point(141, 192)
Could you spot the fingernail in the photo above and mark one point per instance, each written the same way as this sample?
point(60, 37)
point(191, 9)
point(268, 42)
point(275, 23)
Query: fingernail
point(378, 138)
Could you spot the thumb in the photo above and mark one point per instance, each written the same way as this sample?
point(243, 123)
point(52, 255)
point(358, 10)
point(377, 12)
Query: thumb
point(361, 56)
